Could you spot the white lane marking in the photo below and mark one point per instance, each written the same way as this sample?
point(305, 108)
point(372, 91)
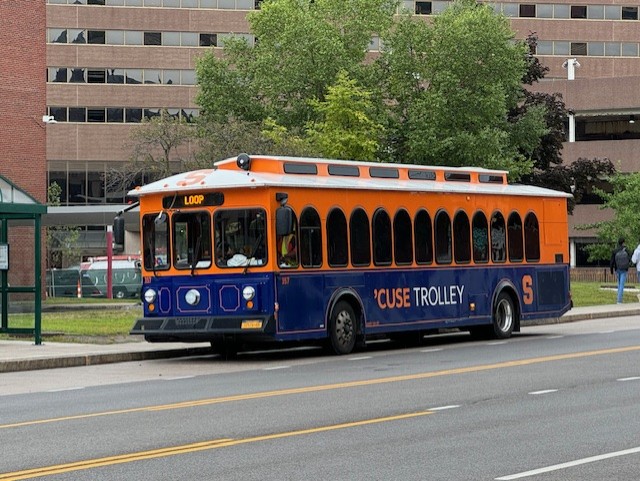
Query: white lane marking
point(606, 332)
point(496, 343)
point(177, 378)
point(544, 391)
point(66, 389)
point(623, 379)
point(361, 358)
point(554, 337)
point(570, 464)
point(444, 408)
point(435, 349)
point(275, 368)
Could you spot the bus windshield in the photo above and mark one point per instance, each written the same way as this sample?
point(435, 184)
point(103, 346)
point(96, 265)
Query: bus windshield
point(240, 237)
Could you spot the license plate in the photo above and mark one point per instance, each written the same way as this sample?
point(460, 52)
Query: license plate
point(251, 325)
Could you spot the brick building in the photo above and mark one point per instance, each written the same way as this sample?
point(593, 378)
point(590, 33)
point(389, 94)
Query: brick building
point(22, 106)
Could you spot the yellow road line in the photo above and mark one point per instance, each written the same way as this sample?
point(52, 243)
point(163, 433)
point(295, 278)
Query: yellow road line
point(190, 448)
point(329, 387)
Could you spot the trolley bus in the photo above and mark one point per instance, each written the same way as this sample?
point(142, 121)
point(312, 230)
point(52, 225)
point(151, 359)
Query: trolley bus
point(282, 249)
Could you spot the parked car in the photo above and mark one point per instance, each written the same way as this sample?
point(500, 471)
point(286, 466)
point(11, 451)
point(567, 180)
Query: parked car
point(126, 277)
point(64, 283)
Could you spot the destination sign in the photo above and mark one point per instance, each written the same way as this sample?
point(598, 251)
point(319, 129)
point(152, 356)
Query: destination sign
point(181, 201)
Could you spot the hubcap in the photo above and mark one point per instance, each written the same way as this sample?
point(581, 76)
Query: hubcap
point(344, 328)
point(504, 316)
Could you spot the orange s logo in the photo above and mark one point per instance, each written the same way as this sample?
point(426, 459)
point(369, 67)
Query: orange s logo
point(527, 289)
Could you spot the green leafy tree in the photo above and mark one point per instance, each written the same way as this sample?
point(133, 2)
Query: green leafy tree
point(469, 71)
point(302, 46)
point(346, 131)
point(62, 240)
point(624, 203)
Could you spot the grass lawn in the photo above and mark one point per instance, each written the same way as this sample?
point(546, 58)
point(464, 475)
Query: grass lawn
point(592, 294)
point(113, 324)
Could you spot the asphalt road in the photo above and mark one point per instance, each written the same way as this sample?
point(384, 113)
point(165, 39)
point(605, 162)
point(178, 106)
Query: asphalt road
point(558, 402)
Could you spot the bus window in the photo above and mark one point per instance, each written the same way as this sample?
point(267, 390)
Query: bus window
point(443, 238)
point(240, 237)
point(514, 228)
point(402, 238)
point(360, 238)
point(461, 238)
point(498, 238)
point(310, 238)
point(337, 243)
point(382, 245)
point(287, 247)
point(480, 238)
point(424, 241)
point(155, 240)
point(531, 238)
point(191, 240)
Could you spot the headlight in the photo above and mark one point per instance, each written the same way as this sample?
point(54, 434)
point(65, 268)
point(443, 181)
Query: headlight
point(192, 297)
point(150, 296)
point(248, 293)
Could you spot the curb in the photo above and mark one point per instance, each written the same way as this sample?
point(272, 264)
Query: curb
point(93, 359)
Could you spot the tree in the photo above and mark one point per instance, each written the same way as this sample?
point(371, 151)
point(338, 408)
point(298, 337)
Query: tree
point(155, 143)
point(470, 72)
point(346, 131)
point(302, 46)
point(61, 241)
point(624, 202)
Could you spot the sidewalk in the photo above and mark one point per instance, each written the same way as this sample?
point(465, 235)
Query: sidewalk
point(25, 355)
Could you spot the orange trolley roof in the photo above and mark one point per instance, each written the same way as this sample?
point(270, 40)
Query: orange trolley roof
point(311, 173)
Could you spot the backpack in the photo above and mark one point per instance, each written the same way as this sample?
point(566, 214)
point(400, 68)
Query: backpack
point(622, 259)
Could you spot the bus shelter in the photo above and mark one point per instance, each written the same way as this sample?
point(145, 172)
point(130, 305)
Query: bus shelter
point(20, 261)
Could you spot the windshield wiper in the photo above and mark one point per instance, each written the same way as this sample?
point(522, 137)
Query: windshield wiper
point(196, 257)
point(253, 252)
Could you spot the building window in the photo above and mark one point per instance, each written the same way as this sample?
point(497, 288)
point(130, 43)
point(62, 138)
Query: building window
point(78, 76)
point(58, 113)
point(527, 10)
point(115, 76)
point(133, 115)
point(423, 8)
point(77, 36)
point(96, 115)
point(96, 36)
point(152, 38)
point(96, 76)
point(115, 115)
point(629, 13)
point(208, 40)
point(578, 11)
point(578, 48)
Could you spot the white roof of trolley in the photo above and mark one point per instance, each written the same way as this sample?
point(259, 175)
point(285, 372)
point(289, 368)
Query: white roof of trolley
point(311, 173)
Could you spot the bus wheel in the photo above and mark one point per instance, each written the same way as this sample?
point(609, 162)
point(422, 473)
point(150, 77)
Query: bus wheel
point(342, 328)
point(504, 316)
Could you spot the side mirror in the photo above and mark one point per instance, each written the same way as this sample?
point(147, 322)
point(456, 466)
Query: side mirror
point(118, 230)
point(284, 221)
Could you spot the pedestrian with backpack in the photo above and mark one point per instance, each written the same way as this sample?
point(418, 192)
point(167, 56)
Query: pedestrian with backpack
point(620, 260)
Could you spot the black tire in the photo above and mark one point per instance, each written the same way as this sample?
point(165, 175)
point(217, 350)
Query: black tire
point(119, 293)
point(342, 328)
point(504, 317)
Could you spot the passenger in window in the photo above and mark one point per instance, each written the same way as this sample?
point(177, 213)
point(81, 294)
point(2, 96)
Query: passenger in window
point(287, 251)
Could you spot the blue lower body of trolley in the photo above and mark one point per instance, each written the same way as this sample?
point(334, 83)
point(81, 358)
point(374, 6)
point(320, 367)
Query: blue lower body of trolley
point(297, 305)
